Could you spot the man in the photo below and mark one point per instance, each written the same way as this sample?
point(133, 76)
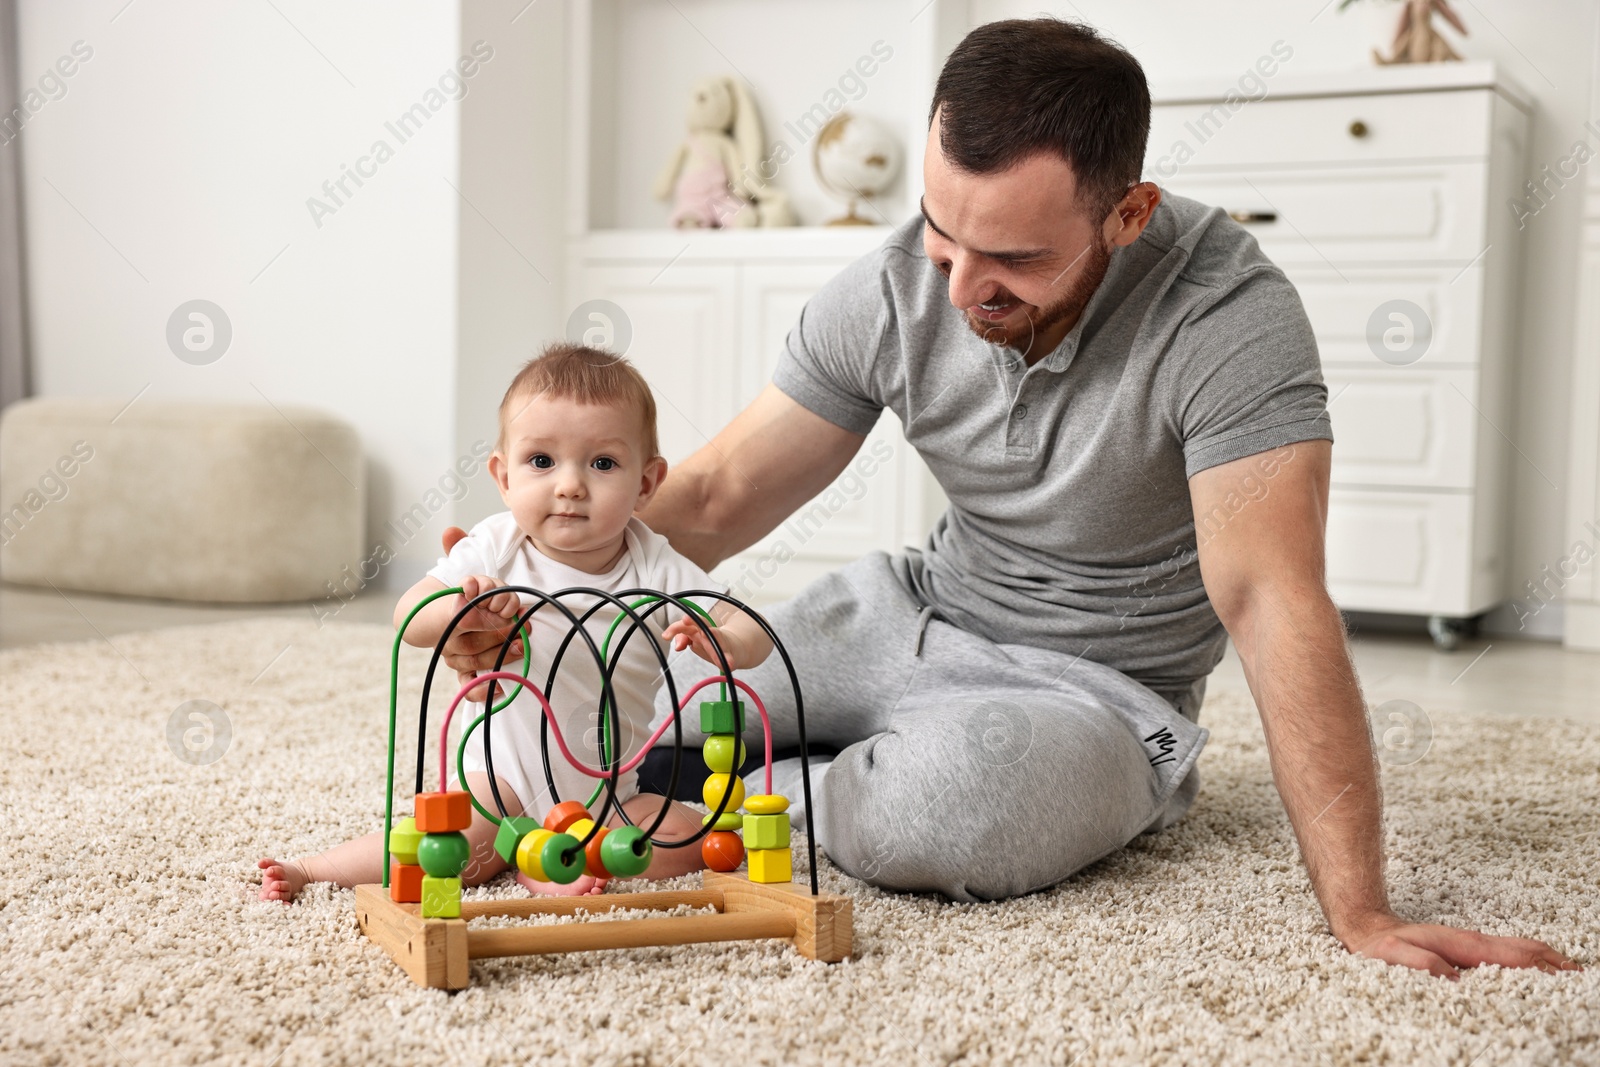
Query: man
point(1127, 413)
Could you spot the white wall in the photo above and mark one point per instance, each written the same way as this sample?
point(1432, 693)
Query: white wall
point(512, 254)
point(1547, 46)
point(178, 165)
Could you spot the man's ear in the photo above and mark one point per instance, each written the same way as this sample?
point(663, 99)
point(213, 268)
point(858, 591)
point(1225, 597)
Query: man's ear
point(655, 472)
point(1132, 214)
point(501, 473)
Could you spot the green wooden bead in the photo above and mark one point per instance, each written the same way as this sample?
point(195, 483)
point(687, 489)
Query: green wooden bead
point(512, 829)
point(404, 838)
point(626, 851)
point(721, 717)
point(728, 820)
point(441, 898)
point(562, 859)
point(766, 831)
point(719, 752)
point(444, 855)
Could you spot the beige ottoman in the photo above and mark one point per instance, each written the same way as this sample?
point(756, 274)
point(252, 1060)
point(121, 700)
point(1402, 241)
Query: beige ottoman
point(188, 500)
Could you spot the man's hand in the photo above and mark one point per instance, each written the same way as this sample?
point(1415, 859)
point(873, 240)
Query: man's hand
point(475, 644)
point(1260, 525)
point(1440, 950)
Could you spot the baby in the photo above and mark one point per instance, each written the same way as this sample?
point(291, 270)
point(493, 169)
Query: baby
point(575, 458)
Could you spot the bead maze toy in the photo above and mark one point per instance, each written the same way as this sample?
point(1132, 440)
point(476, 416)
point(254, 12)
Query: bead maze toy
point(417, 914)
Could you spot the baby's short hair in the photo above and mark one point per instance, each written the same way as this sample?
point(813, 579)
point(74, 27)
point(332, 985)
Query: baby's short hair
point(568, 371)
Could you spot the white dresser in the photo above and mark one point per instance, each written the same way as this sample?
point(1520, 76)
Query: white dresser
point(1385, 196)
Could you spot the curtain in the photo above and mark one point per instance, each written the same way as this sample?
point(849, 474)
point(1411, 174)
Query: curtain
point(13, 304)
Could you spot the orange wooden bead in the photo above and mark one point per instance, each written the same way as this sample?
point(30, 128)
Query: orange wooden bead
point(593, 864)
point(443, 813)
point(563, 815)
point(405, 882)
point(722, 850)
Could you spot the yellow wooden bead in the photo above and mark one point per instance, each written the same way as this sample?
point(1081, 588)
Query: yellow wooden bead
point(716, 785)
point(769, 865)
point(528, 850)
point(580, 829)
point(766, 804)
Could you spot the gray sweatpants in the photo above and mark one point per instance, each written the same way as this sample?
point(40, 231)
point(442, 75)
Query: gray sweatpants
point(976, 770)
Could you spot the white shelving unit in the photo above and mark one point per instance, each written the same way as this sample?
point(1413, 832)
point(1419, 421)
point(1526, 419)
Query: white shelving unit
point(709, 310)
point(1379, 185)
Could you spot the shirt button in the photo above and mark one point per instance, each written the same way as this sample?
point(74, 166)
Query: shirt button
point(1022, 411)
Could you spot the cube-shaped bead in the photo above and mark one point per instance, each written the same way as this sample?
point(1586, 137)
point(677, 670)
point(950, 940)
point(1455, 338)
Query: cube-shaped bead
point(404, 837)
point(441, 898)
point(405, 882)
point(443, 813)
point(769, 864)
point(766, 831)
point(721, 717)
point(716, 785)
point(512, 829)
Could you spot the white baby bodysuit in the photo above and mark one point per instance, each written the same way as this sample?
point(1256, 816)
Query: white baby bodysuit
point(497, 547)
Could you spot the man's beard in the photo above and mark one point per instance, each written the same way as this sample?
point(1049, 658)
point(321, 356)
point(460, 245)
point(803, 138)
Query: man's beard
point(1019, 336)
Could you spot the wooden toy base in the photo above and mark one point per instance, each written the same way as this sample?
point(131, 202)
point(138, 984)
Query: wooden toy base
point(436, 952)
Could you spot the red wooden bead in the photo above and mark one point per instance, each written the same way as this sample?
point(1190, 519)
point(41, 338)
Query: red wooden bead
point(443, 813)
point(593, 864)
point(405, 882)
point(563, 815)
point(722, 850)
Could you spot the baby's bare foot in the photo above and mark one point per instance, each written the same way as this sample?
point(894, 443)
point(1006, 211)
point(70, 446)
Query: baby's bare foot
point(586, 885)
point(281, 880)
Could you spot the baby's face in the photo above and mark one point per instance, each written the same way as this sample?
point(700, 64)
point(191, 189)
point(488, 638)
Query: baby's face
point(572, 475)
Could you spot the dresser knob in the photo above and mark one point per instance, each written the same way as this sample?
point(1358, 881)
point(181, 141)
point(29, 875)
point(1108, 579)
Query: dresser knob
point(1358, 128)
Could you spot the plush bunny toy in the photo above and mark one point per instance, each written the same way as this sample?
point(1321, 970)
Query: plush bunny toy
point(715, 170)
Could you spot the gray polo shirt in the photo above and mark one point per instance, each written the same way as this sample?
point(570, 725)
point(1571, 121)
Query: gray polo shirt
point(1070, 525)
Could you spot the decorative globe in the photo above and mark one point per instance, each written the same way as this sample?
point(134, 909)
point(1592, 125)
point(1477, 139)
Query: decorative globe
point(856, 158)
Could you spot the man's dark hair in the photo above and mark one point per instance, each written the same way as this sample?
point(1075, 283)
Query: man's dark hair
point(1013, 88)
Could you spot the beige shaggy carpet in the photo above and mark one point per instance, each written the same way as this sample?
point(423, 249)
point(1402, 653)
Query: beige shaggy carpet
point(132, 934)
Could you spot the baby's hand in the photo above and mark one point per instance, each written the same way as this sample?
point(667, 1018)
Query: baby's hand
point(506, 605)
point(686, 633)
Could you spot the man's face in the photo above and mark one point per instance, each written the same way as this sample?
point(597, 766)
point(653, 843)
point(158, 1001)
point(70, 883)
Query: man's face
point(1018, 241)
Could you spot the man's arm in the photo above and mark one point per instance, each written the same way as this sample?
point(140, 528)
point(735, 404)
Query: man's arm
point(774, 456)
point(1260, 524)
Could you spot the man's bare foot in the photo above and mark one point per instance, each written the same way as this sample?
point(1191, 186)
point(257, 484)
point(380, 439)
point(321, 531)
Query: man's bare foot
point(281, 880)
point(586, 885)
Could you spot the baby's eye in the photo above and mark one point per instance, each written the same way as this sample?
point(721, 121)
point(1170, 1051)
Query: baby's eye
point(605, 463)
point(541, 461)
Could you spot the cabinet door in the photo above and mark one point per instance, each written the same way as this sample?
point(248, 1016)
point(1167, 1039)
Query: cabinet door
point(681, 317)
point(859, 511)
point(1402, 551)
point(1403, 427)
point(1319, 217)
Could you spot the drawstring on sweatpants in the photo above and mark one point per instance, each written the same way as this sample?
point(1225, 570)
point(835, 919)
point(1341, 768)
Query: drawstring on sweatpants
point(922, 626)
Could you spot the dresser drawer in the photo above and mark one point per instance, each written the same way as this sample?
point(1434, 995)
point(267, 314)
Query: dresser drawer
point(1392, 128)
point(1444, 325)
point(1394, 426)
point(1321, 217)
point(1402, 552)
